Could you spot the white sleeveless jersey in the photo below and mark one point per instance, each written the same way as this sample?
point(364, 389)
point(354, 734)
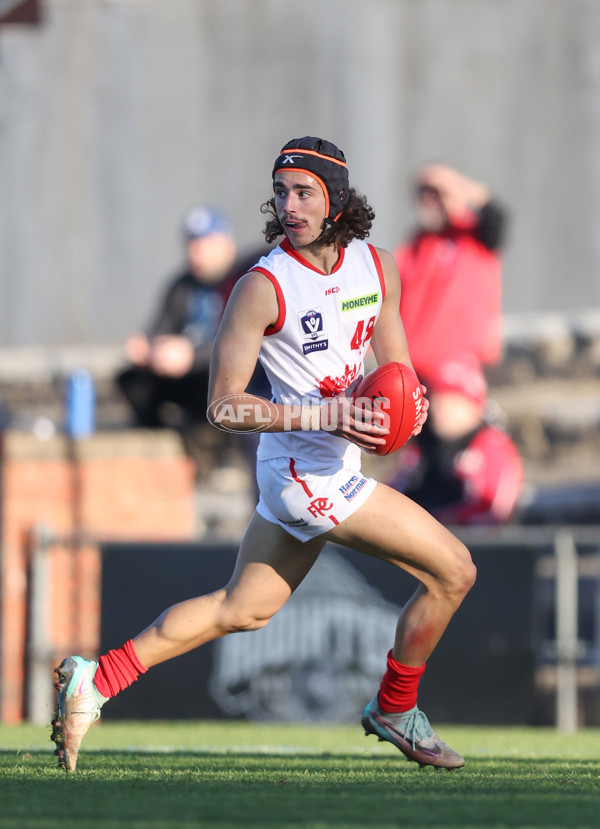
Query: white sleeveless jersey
point(317, 346)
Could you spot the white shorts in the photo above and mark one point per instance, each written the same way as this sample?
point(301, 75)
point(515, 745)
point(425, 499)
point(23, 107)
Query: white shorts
point(306, 501)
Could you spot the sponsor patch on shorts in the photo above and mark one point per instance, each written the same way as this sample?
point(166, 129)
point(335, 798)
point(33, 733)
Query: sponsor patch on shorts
point(298, 522)
point(352, 487)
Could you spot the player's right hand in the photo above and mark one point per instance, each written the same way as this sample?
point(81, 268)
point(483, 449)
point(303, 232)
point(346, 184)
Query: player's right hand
point(364, 427)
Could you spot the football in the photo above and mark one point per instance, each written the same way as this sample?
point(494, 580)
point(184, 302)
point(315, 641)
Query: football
point(395, 389)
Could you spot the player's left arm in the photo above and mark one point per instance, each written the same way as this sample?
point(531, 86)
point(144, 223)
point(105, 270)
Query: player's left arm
point(389, 339)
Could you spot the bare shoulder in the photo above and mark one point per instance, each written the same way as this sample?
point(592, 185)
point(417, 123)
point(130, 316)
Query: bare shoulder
point(254, 289)
point(386, 258)
point(254, 284)
point(390, 273)
point(254, 295)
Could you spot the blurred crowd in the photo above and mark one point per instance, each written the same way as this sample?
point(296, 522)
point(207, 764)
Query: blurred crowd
point(464, 467)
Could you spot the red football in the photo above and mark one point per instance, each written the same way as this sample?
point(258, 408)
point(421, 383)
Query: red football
point(395, 389)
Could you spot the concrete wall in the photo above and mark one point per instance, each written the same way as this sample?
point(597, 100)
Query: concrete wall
point(115, 116)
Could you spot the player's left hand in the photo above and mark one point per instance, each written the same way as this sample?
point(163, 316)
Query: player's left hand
point(364, 427)
point(424, 413)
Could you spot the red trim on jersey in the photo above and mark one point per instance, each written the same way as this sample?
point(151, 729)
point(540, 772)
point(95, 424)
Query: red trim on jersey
point(379, 269)
point(287, 247)
point(278, 325)
point(298, 480)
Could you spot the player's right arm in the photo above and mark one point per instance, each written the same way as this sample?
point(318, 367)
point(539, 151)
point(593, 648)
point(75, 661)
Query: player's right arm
point(251, 309)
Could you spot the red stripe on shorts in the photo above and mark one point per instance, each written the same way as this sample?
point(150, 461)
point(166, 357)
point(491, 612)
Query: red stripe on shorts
point(297, 479)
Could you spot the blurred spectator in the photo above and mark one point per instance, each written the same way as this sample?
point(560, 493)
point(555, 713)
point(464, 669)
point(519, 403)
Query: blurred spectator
point(166, 381)
point(462, 468)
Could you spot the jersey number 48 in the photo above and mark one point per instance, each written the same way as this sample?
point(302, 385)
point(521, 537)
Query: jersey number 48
point(362, 335)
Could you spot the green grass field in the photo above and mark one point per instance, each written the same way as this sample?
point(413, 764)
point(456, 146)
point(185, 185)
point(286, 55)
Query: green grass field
point(185, 774)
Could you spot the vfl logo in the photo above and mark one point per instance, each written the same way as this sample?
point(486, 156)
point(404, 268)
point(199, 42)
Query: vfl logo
point(312, 324)
point(311, 329)
point(289, 159)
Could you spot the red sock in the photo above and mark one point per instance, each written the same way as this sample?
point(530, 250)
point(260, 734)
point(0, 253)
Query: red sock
point(398, 689)
point(117, 670)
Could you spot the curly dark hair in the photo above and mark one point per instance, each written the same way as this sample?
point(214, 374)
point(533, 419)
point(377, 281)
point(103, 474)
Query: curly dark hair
point(355, 222)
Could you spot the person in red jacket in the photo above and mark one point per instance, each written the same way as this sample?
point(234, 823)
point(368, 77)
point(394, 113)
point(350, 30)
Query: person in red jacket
point(462, 468)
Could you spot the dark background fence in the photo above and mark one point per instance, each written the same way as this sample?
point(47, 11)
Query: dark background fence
point(484, 670)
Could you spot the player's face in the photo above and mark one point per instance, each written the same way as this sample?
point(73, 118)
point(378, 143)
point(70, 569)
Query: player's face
point(300, 206)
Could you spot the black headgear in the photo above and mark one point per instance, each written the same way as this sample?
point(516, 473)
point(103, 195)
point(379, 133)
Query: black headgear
point(324, 162)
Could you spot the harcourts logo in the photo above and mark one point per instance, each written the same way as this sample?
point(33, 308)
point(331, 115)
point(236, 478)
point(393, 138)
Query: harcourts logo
point(359, 302)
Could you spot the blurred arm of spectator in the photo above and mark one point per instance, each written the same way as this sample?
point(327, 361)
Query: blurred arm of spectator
point(173, 355)
point(168, 355)
point(447, 197)
point(137, 349)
